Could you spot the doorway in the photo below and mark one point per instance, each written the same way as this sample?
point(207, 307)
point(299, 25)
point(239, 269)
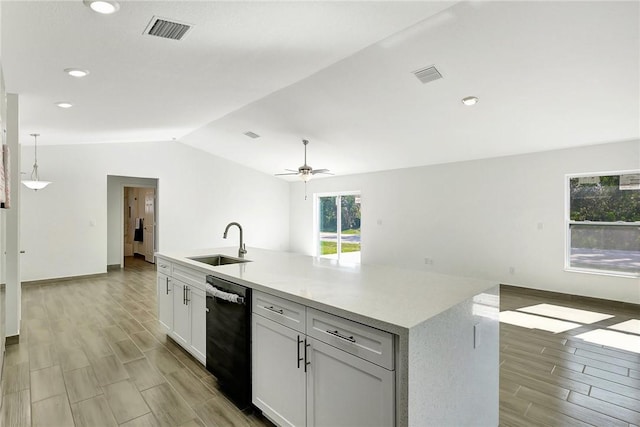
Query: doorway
point(338, 226)
point(130, 198)
point(139, 222)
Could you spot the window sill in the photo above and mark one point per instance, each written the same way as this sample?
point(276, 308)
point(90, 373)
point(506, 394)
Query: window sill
point(602, 272)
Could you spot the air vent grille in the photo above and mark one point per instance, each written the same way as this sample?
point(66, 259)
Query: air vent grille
point(161, 27)
point(429, 74)
point(252, 135)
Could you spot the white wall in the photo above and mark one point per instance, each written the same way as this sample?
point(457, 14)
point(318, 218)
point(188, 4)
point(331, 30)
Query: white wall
point(476, 218)
point(198, 194)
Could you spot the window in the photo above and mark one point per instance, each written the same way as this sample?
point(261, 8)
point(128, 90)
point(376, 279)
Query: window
point(338, 226)
point(603, 223)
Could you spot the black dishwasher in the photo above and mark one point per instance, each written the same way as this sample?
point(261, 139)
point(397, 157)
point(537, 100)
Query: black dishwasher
point(229, 338)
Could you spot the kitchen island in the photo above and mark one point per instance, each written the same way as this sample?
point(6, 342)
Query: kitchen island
point(444, 329)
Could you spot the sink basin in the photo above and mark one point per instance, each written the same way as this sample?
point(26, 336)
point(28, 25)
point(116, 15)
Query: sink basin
point(217, 259)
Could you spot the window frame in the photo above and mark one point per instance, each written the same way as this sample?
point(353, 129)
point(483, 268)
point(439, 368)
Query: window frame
point(316, 219)
point(568, 223)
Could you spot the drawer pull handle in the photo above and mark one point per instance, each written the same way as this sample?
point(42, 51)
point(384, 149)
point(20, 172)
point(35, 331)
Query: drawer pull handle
point(306, 362)
point(300, 359)
point(163, 266)
point(344, 337)
point(275, 310)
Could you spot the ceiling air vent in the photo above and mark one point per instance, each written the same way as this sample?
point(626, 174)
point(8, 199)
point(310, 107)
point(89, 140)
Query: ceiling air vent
point(162, 27)
point(429, 74)
point(252, 135)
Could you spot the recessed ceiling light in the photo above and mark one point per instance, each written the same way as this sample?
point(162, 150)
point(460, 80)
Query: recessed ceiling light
point(76, 72)
point(105, 7)
point(470, 100)
point(64, 104)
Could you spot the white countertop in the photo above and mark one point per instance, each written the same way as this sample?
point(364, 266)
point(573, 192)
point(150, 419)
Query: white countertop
point(390, 298)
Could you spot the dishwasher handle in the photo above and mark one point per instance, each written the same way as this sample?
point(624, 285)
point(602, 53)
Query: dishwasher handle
point(225, 296)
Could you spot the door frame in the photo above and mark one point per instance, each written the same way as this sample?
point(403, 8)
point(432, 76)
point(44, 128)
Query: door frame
point(135, 182)
point(316, 218)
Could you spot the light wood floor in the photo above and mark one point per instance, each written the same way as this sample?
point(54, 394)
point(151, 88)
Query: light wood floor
point(91, 354)
point(560, 380)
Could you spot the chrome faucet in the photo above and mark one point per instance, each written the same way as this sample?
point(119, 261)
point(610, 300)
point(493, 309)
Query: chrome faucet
point(242, 249)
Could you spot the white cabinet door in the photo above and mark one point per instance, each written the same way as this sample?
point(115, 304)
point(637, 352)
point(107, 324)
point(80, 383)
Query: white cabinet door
point(181, 321)
point(165, 302)
point(197, 301)
point(278, 377)
point(344, 390)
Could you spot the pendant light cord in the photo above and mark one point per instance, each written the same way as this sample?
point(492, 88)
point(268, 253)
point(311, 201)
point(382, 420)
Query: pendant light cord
point(35, 157)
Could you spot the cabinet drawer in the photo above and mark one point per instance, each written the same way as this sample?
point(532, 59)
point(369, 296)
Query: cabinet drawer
point(360, 340)
point(189, 276)
point(164, 266)
point(285, 312)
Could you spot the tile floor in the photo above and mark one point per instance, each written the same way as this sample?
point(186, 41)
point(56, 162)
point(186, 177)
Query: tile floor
point(91, 354)
point(559, 379)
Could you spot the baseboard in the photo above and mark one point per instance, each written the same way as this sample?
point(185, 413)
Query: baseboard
point(114, 267)
point(13, 339)
point(570, 297)
point(63, 279)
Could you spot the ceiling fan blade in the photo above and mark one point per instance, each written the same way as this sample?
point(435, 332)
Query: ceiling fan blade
point(315, 171)
point(289, 173)
point(292, 170)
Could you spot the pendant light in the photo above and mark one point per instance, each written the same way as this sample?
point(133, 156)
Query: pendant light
point(34, 183)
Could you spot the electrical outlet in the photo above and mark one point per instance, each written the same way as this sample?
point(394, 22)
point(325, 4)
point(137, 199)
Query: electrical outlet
point(428, 261)
point(512, 270)
point(540, 226)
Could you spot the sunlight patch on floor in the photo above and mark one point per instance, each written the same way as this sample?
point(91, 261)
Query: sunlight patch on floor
point(536, 322)
point(632, 326)
point(566, 313)
point(612, 339)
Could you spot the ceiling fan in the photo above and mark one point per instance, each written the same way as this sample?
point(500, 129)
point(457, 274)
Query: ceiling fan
point(305, 171)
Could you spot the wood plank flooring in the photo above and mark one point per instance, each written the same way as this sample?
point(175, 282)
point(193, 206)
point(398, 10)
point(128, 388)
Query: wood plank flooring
point(557, 379)
point(91, 354)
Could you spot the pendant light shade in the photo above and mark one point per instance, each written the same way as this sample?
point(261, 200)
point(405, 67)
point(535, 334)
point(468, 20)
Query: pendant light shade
point(34, 183)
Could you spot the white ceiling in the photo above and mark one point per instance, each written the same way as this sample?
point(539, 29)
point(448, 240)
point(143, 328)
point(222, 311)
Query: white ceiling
point(548, 74)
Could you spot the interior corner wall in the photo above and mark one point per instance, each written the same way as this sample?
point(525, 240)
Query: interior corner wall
point(64, 227)
point(476, 218)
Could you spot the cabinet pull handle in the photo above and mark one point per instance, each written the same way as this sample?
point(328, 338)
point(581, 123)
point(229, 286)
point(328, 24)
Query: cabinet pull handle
point(186, 295)
point(306, 362)
point(167, 286)
point(298, 348)
point(275, 310)
point(339, 335)
point(163, 266)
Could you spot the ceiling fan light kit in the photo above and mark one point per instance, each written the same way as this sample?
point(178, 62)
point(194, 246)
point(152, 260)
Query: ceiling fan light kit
point(305, 172)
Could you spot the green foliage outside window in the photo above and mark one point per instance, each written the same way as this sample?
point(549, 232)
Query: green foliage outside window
point(603, 201)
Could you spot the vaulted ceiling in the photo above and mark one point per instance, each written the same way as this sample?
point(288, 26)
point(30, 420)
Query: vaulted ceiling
point(548, 75)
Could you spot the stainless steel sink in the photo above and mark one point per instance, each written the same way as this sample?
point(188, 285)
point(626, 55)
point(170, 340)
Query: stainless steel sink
point(217, 259)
